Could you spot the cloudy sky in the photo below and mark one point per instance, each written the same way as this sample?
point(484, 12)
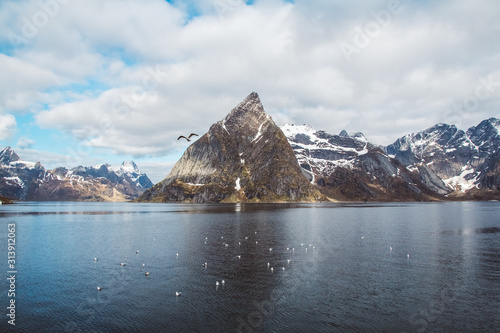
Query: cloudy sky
point(88, 82)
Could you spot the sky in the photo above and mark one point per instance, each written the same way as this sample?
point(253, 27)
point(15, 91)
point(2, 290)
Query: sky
point(84, 82)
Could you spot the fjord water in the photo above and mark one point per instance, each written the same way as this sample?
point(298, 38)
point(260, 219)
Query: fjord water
point(349, 268)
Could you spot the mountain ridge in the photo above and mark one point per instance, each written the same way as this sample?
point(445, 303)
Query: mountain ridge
point(21, 180)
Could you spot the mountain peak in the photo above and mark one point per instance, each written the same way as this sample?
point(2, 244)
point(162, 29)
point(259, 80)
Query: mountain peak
point(251, 106)
point(244, 157)
point(129, 166)
point(8, 155)
point(246, 122)
point(356, 135)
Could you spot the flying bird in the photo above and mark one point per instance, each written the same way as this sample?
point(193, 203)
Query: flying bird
point(189, 137)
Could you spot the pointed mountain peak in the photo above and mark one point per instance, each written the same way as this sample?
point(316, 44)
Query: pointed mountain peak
point(344, 134)
point(247, 121)
point(251, 106)
point(245, 157)
point(8, 155)
point(129, 166)
point(357, 135)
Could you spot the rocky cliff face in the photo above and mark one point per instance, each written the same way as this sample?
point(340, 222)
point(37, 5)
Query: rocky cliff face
point(348, 167)
point(467, 162)
point(244, 157)
point(30, 181)
point(18, 179)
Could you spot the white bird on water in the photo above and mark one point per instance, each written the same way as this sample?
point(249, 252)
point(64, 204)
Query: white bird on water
point(272, 269)
point(205, 265)
point(95, 259)
point(216, 283)
point(99, 288)
point(123, 264)
point(223, 282)
point(178, 293)
point(147, 273)
point(408, 256)
point(390, 248)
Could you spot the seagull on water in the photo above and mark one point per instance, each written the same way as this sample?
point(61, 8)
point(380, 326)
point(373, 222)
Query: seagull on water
point(147, 273)
point(99, 288)
point(178, 293)
point(205, 265)
point(95, 259)
point(123, 264)
point(216, 283)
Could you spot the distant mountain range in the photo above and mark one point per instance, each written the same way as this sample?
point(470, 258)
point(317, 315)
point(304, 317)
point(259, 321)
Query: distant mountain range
point(22, 180)
point(247, 158)
point(467, 163)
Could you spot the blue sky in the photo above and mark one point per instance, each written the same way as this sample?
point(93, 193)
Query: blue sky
point(89, 82)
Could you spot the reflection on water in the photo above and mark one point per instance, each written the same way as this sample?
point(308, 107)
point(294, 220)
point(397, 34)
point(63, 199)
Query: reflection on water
point(422, 267)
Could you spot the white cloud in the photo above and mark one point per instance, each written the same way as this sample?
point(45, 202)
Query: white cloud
point(8, 126)
point(427, 58)
point(25, 142)
point(156, 171)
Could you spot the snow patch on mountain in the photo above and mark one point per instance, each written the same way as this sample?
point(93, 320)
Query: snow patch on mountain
point(463, 182)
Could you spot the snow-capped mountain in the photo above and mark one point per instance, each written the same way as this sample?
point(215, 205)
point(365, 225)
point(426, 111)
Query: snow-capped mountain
point(30, 181)
point(464, 160)
point(18, 179)
point(349, 167)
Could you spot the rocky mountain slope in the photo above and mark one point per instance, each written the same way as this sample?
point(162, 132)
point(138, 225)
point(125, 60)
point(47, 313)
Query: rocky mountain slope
point(30, 181)
point(348, 167)
point(468, 162)
point(244, 157)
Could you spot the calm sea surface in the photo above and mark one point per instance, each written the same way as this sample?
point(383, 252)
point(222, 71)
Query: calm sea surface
point(410, 267)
